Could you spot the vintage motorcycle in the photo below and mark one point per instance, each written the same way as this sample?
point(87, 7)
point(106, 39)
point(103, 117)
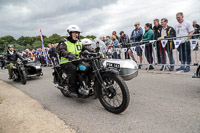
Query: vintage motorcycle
point(96, 79)
point(19, 72)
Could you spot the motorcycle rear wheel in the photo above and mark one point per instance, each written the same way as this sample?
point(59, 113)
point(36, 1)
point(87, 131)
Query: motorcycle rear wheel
point(116, 98)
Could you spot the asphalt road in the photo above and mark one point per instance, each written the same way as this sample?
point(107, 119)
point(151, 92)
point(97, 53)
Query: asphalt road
point(159, 103)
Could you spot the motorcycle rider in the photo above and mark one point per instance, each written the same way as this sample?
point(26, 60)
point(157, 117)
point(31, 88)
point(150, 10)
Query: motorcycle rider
point(69, 49)
point(11, 57)
point(87, 43)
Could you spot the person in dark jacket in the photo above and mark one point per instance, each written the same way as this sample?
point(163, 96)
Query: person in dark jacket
point(123, 40)
point(52, 54)
point(167, 32)
point(11, 57)
point(148, 35)
point(157, 27)
point(70, 49)
point(196, 31)
point(114, 33)
point(2, 61)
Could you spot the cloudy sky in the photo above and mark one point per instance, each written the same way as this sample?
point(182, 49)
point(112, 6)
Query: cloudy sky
point(94, 17)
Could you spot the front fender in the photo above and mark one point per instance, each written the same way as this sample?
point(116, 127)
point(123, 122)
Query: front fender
point(22, 68)
point(112, 71)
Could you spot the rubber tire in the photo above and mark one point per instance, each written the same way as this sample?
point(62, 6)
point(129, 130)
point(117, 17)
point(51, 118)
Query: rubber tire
point(198, 71)
point(64, 93)
point(24, 77)
point(124, 90)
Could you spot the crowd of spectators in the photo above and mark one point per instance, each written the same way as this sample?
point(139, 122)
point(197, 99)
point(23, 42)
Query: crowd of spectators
point(158, 32)
point(46, 57)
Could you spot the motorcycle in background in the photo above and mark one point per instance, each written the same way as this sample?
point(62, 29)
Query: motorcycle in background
point(19, 73)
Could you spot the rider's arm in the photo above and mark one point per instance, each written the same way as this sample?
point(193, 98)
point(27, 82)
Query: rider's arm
point(63, 50)
point(20, 57)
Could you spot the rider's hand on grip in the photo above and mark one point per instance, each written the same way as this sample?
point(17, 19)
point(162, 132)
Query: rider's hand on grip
point(71, 57)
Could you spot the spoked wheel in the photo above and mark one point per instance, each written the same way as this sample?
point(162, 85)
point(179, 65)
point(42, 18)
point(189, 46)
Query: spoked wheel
point(115, 98)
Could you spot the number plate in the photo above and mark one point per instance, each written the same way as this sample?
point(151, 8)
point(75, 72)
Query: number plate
point(108, 64)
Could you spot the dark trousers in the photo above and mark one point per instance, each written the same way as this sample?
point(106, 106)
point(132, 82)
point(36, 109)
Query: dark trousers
point(185, 53)
point(126, 55)
point(158, 52)
point(116, 56)
point(70, 70)
point(169, 49)
point(162, 55)
point(148, 54)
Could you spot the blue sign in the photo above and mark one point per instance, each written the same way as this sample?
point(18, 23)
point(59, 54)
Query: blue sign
point(193, 42)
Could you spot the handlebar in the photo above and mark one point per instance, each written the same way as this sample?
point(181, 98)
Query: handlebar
point(84, 58)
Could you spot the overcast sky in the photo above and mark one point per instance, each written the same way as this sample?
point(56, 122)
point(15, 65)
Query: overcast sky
point(94, 17)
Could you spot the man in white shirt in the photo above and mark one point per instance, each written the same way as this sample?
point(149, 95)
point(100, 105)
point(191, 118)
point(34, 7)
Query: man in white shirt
point(184, 28)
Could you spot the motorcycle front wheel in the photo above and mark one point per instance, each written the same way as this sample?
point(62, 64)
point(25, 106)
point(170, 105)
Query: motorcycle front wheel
point(115, 98)
point(23, 77)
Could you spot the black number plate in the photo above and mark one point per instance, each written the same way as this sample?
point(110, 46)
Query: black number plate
point(108, 64)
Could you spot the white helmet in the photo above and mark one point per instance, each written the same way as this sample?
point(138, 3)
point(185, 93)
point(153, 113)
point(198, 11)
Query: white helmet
point(73, 28)
point(86, 41)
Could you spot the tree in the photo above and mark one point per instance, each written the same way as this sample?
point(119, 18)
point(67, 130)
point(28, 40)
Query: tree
point(90, 36)
point(36, 44)
point(4, 41)
point(55, 38)
point(8, 39)
point(26, 40)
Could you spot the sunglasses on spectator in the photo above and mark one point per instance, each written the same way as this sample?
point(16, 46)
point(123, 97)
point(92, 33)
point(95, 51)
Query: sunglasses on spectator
point(135, 24)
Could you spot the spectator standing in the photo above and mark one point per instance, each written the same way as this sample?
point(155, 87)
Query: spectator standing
point(116, 44)
point(114, 33)
point(167, 32)
point(35, 54)
point(103, 39)
point(157, 27)
point(136, 36)
point(123, 40)
point(108, 41)
point(196, 31)
point(184, 28)
point(29, 54)
point(52, 54)
point(148, 35)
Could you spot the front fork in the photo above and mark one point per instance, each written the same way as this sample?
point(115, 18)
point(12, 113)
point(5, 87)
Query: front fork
point(108, 89)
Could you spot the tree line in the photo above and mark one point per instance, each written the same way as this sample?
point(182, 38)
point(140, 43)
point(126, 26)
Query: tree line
point(33, 42)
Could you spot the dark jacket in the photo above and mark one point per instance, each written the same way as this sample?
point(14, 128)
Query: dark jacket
point(124, 40)
point(196, 31)
point(12, 58)
point(170, 33)
point(157, 31)
point(52, 52)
